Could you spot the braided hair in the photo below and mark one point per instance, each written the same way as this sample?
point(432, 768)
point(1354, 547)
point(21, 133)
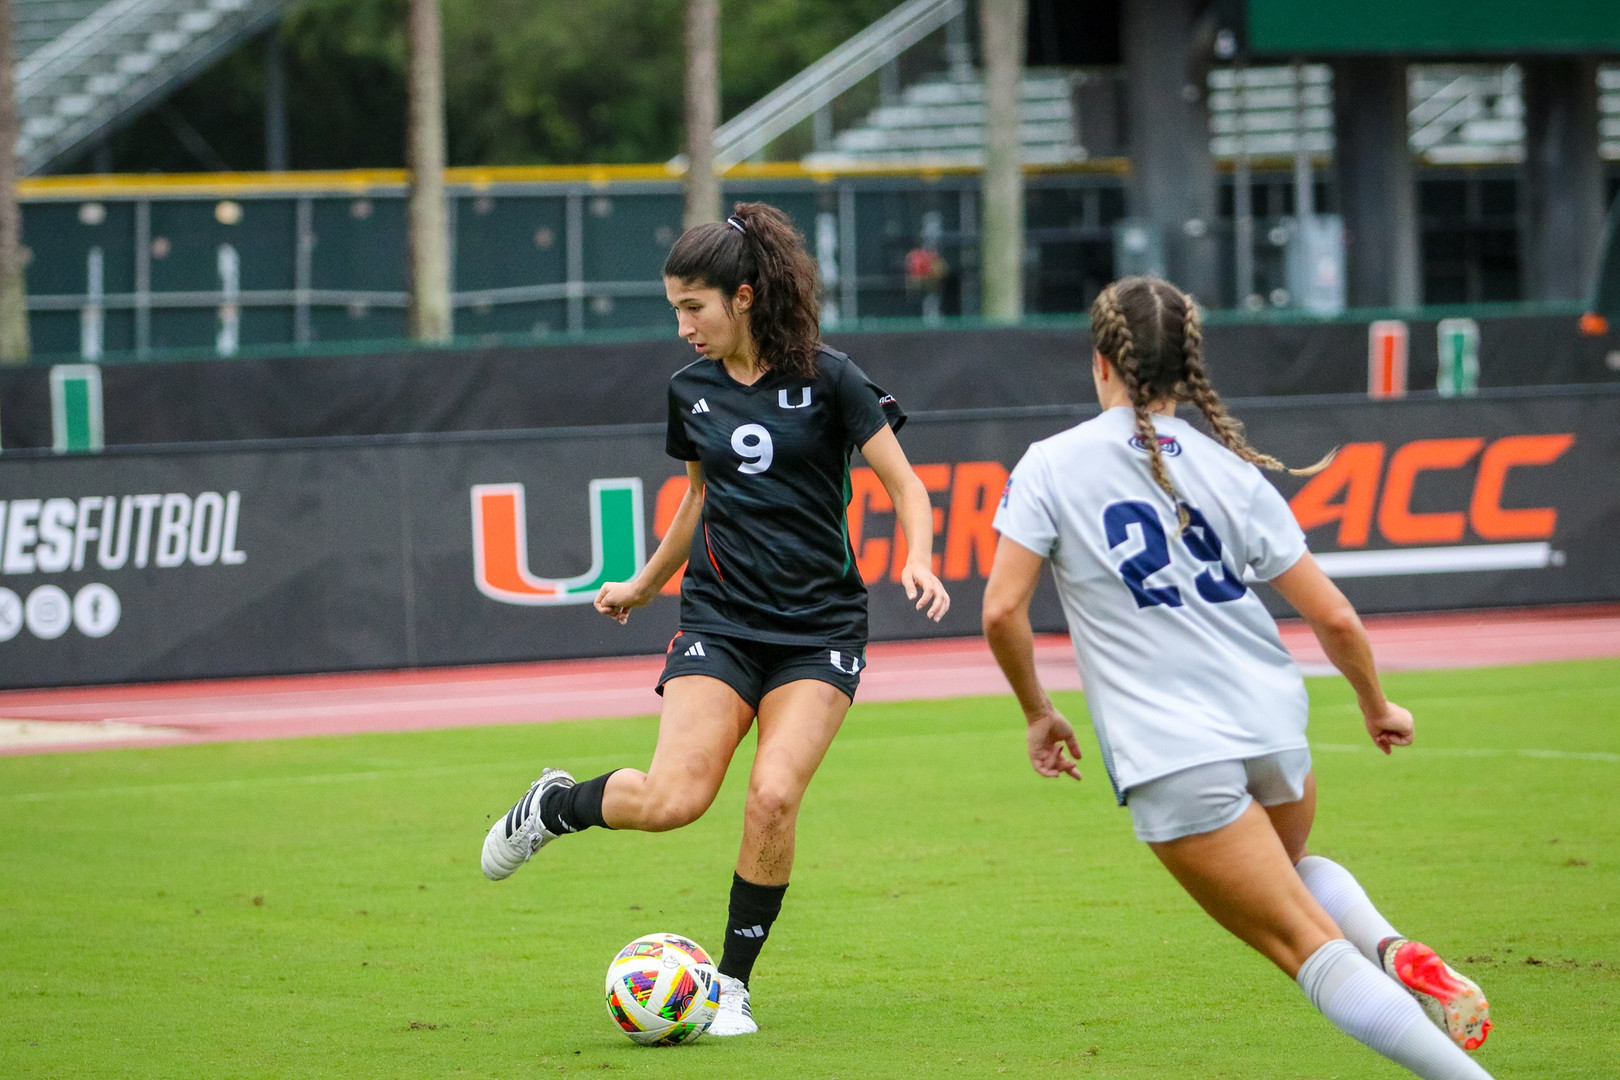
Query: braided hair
point(758, 246)
point(1152, 334)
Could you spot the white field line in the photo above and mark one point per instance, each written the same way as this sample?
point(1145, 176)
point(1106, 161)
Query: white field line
point(496, 768)
point(1478, 751)
point(538, 700)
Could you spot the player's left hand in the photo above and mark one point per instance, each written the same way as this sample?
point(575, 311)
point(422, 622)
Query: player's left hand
point(1390, 726)
point(1050, 733)
point(923, 587)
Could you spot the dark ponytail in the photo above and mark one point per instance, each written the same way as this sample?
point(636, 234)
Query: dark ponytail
point(759, 247)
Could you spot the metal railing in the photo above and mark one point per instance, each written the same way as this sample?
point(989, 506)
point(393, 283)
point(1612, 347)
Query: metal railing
point(796, 100)
point(118, 59)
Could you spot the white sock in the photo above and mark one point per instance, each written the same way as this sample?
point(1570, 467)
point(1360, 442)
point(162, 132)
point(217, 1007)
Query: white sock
point(1376, 1011)
point(1346, 903)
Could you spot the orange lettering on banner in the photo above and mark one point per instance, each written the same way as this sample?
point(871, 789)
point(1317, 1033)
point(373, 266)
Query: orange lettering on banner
point(1354, 474)
point(975, 494)
point(867, 493)
point(669, 501)
point(1486, 513)
point(935, 478)
point(1396, 519)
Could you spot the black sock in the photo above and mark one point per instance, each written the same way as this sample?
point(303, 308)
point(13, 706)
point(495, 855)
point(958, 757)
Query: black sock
point(753, 909)
point(570, 809)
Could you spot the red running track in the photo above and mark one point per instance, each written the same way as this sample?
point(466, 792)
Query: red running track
point(32, 721)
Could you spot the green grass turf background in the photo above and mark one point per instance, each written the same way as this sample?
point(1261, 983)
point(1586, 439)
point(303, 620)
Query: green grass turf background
point(313, 907)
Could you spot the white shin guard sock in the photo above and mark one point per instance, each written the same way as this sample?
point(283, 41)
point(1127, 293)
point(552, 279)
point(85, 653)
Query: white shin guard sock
point(1373, 1009)
point(1346, 903)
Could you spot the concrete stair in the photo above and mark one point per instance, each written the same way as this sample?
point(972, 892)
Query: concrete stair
point(86, 66)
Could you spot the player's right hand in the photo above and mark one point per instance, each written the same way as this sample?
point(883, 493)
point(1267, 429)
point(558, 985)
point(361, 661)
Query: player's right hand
point(1049, 734)
point(616, 598)
point(1392, 726)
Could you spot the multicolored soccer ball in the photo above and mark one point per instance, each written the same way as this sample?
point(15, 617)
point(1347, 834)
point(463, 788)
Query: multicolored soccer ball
point(663, 989)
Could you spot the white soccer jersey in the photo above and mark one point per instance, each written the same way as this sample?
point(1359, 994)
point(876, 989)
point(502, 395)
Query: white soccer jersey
point(1181, 662)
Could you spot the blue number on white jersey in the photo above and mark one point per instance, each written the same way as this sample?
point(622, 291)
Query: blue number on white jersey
point(1216, 583)
point(1202, 542)
point(1154, 556)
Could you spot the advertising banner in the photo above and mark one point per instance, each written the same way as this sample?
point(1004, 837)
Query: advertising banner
point(255, 559)
point(507, 388)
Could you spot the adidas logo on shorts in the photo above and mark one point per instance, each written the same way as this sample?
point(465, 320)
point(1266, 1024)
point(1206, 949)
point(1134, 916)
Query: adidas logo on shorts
point(696, 650)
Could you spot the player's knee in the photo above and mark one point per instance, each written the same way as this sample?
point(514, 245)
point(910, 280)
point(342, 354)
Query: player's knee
point(771, 804)
point(673, 811)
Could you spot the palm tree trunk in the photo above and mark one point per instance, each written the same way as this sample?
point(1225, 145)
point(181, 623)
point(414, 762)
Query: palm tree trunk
point(429, 228)
point(14, 345)
point(1001, 243)
point(702, 110)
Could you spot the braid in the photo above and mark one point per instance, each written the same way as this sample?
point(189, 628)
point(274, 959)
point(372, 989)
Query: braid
point(1113, 338)
point(1111, 334)
point(1152, 333)
point(1226, 427)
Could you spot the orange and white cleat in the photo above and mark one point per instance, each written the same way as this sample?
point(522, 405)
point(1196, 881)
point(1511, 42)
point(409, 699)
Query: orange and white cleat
point(1454, 1002)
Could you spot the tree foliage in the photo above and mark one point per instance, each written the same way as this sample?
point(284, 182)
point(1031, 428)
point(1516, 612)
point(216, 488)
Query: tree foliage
point(526, 81)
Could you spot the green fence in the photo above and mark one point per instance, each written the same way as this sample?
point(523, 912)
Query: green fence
point(135, 268)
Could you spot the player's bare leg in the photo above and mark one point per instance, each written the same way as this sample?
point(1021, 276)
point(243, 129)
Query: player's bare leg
point(797, 723)
point(1292, 821)
point(702, 723)
point(1244, 877)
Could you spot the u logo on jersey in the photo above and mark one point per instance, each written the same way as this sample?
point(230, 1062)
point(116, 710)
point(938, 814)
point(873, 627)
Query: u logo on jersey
point(501, 544)
point(804, 399)
point(1167, 445)
point(837, 659)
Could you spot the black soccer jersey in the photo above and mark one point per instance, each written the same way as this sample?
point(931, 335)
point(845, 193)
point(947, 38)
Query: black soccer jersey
point(771, 558)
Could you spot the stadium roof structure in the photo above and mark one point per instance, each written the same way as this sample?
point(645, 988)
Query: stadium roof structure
point(1450, 29)
point(84, 67)
point(1465, 97)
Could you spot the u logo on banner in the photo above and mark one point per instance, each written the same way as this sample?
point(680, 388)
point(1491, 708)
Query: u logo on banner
point(501, 544)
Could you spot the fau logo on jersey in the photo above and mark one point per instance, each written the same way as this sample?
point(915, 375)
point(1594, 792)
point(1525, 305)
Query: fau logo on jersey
point(1167, 445)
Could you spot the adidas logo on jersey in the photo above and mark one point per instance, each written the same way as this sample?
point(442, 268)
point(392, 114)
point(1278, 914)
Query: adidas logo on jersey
point(696, 650)
point(701, 406)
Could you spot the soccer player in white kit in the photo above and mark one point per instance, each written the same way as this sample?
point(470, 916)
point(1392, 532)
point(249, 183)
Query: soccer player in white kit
point(1150, 527)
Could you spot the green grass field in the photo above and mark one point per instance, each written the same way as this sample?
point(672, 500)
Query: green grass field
point(313, 907)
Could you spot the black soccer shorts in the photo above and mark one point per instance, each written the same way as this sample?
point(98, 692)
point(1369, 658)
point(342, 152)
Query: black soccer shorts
point(755, 668)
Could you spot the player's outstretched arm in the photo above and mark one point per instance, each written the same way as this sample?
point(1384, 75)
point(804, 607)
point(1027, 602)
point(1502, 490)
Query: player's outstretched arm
point(883, 452)
point(616, 598)
point(1344, 640)
point(1012, 582)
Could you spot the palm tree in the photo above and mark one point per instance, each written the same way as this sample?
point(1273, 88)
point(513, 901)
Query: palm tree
point(13, 290)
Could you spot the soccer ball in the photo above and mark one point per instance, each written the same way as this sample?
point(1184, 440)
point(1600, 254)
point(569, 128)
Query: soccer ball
point(663, 989)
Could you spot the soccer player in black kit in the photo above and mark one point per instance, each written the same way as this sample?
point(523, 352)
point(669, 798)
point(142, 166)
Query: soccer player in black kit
point(773, 609)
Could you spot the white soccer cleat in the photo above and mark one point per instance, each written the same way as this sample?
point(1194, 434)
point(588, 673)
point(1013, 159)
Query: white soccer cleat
point(521, 833)
point(734, 1017)
point(1453, 1001)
